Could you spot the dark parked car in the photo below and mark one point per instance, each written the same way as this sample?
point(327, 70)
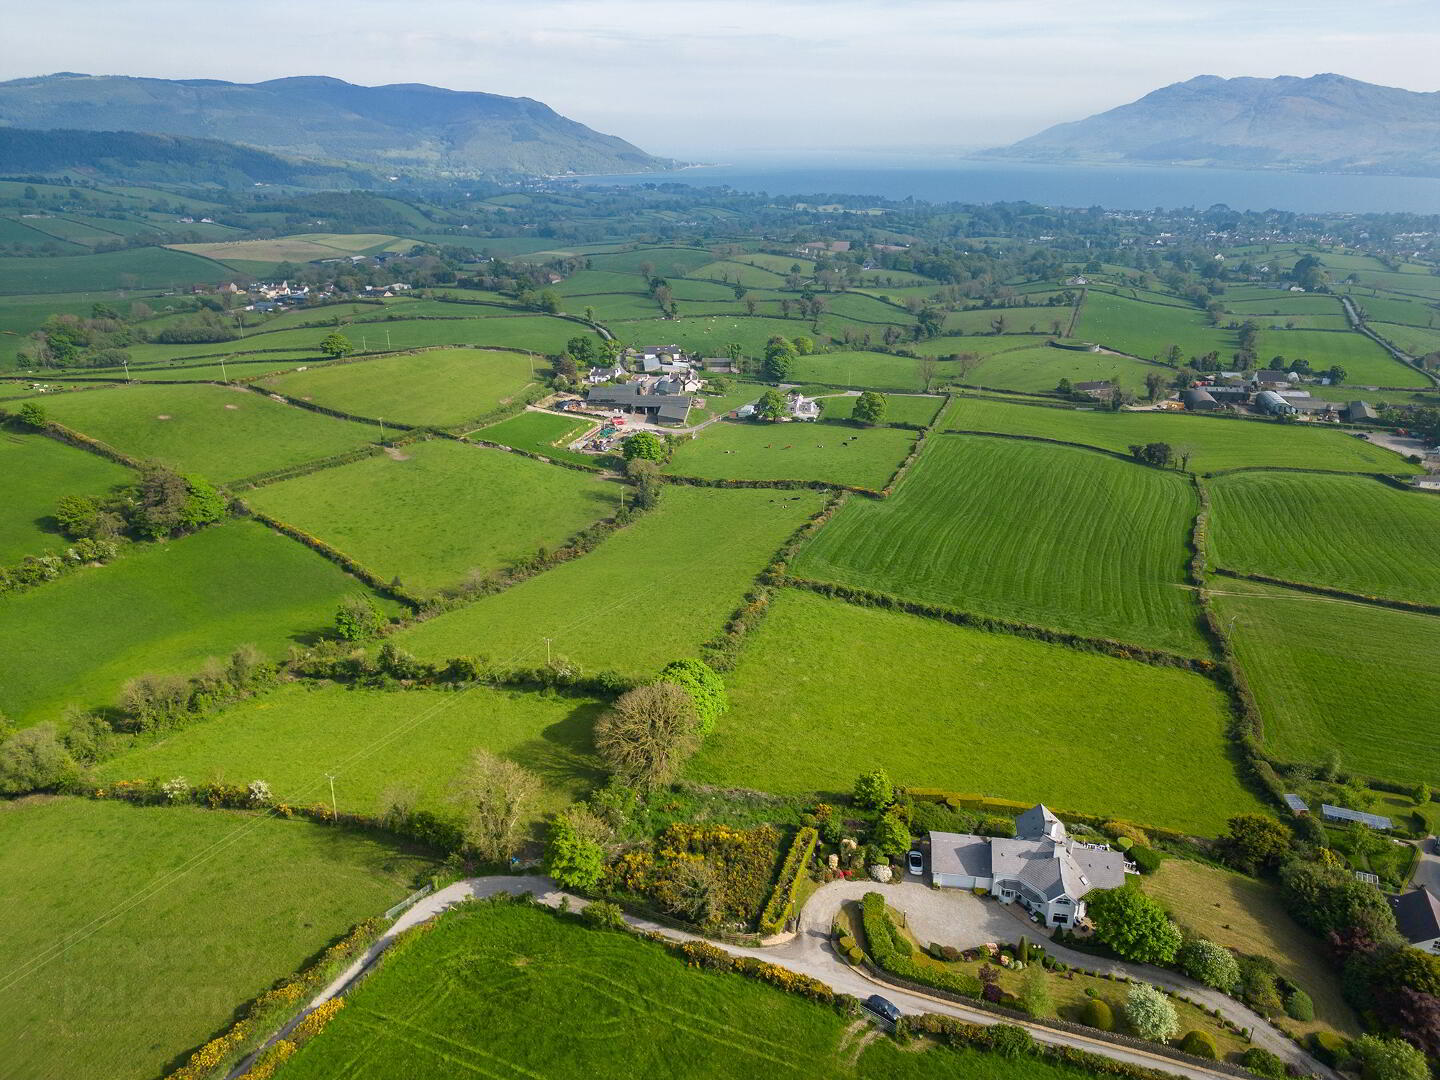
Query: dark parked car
point(916, 862)
point(882, 1008)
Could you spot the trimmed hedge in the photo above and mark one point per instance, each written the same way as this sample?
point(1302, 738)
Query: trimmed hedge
point(892, 952)
point(986, 804)
point(782, 898)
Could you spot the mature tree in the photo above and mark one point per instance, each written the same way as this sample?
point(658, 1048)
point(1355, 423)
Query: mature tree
point(779, 358)
point(1158, 454)
point(1389, 1059)
point(644, 444)
point(646, 737)
point(704, 685)
point(804, 346)
point(1150, 1013)
point(1336, 375)
point(1133, 925)
point(160, 504)
point(1064, 387)
point(1154, 384)
point(549, 302)
point(645, 475)
point(32, 415)
point(496, 798)
point(1212, 964)
point(203, 504)
point(873, 790)
point(335, 345)
point(771, 405)
point(357, 618)
point(581, 349)
point(929, 369)
point(869, 408)
point(1254, 842)
point(891, 835)
point(77, 515)
point(575, 851)
point(32, 759)
point(1328, 899)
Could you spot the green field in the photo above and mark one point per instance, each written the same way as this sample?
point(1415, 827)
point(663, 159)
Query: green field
point(826, 690)
point(538, 432)
point(170, 918)
point(1040, 368)
point(754, 450)
point(708, 335)
point(438, 388)
point(161, 608)
point(870, 370)
point(138, 268)
point(1330, 675)
point(1365, 362)
point(1041, 534)
point(1148, 330)
point(377, 743)
point(504, 989)
point(38, 471)
point(1215, 443)
point(654, 591)
point(917, 409)
point(1415, 340)
point(437, 511)
point(1349, 532)
point(221, 433)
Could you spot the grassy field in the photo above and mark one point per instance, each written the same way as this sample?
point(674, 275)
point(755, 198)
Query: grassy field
point(1365, 362)
point(162, 608)
point(814, 704)
point(503, 989)
point(38, 471)
point(1040, 534)
point(437, 388)
point(439, 510)
point(221, 433)
point(1041, 367)
point(1247, 915)
point(1214, 443)
point(899, 408)
point(301, 247)
point(172, 918)
point(137, 268)
point(1415, 340)
point(708, 335)
point(377, 743)
point(1338, 676)
point(654, 591)
point(752, 450)
point(1149, 330)
point(869, 370)
point(1351, 532)
point(538, 432)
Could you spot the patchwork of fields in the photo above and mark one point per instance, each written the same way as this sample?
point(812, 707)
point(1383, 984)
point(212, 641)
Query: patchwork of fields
point(1039, 534)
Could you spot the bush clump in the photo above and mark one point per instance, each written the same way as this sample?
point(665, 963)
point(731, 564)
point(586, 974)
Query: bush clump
point(1329, 1047)
point(1200, 1044)
point(1098, 1014)
point(1263, 1063)
point(1298, 1006)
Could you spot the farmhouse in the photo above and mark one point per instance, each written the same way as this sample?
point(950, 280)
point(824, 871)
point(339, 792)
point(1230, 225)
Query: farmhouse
point(1417, 916)
point(1275, 379)
point(803, 408)
point(1428, 482)
point(600, 375)
point(1042, 868)
point(632, 398)
point(1349, 817)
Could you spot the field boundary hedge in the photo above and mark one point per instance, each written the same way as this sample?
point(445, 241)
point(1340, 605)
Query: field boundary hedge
point(1011, 807)
point(324, 410)
point(777, 485)
point(532, 455)
point(991, 624)
point(1043, 439)
point(289, 472)
point(1339, 594)
point(782, 897)
point(60, 433)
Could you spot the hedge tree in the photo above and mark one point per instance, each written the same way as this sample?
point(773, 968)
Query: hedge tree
point(1133, 925)
point(335, 345)
point(573, 856)
point(869, 408)
point(705, 687)
point(644, 444)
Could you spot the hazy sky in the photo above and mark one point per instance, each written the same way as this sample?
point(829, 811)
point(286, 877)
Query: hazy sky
point(703, 78)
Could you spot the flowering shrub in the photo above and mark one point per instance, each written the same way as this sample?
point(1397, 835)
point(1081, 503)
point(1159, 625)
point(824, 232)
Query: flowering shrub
point(176, 790)
point(259, 792)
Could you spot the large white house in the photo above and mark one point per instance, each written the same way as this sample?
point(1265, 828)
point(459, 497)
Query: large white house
point(1042, 868)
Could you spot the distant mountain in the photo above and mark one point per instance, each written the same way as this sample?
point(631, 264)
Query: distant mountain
point(172, 159)
point(1324, 123)
point(407, 129)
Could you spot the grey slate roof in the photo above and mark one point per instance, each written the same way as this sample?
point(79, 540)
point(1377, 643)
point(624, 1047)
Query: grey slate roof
point(1341, 813)
point(961, 854)
point(1417, 914)
point(1360, 410)
point(1037, 822)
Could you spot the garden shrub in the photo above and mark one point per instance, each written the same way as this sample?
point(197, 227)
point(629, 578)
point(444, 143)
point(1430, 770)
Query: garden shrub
point(782, 899)
point(854, 954)
point(1098, 1014)
point(1209, 963)
point(603, 915)
point(1200, 1044)
point(846, 942)
point(893, 952)
point(1298, 1006)
point(1146, 860)
point(1263, 1063)
point(1329, 1047)
point(1150, 1013)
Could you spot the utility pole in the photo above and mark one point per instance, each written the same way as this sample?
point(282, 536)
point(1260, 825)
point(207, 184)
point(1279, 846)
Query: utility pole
point(382, 430)
point(223, 377)
point(547, 651)
point(126, 362)
point(387, 337)
point(334, 813)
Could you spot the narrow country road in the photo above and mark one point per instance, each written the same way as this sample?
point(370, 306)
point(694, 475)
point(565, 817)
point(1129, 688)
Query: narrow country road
point(949, 916)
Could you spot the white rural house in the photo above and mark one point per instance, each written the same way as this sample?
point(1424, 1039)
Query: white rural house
point(1042, 867)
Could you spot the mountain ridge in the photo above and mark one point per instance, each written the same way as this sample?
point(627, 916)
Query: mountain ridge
point(1325, 122)
point(406, 128)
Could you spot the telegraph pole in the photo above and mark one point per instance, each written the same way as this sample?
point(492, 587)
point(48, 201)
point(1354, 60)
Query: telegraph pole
point(382, 430)
point(334, 813)
point(547, 651)
point(223, 377)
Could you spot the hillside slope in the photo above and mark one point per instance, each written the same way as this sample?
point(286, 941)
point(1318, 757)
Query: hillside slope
point(406, 128)
point(1325, 122)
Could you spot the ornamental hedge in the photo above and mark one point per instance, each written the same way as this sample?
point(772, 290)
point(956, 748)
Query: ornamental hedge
point(892, 952)
point(782, 899)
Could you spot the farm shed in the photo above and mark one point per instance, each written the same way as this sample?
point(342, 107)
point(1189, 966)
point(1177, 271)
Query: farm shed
point(1296, 804)
point(1197, 400)
point(1349, 817)
point(1360, 412)
point(1274, 404)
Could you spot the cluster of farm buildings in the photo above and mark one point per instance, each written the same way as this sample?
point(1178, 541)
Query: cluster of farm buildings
point(1270, 393)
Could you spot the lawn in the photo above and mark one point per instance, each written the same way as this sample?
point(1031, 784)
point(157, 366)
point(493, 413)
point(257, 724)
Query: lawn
point(1330, 675)
point(814, 703)
point(1148, 330)
point(1214, 443)
point(1350, 532)
point(1365, 362)
point(437, 388)
point(377, 743)
point(161, 608)
point(754, 450)
point(1047, 535)
point(1247, 915)
point(170, 918)
point(440, 510)
point(654, 591)
point(504, 989)
point(38, 471)
point(221, 433)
